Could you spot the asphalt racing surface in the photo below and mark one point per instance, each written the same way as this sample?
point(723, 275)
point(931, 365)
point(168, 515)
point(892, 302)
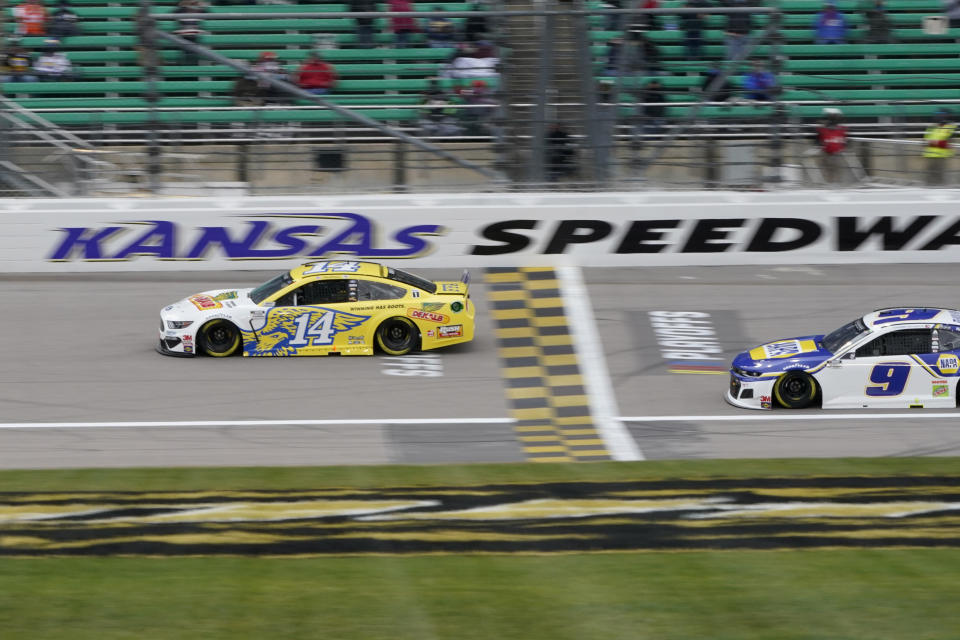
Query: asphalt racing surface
point(567, 365)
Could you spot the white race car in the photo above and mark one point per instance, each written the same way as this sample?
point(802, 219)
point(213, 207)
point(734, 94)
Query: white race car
point(888, 358)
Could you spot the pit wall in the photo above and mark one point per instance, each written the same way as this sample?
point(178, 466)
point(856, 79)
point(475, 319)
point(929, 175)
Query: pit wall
point(481, 230)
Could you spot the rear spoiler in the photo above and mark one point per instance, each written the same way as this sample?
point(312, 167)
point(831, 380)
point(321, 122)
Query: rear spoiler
point(465, 277)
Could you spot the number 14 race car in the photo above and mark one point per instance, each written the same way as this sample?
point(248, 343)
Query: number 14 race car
point(888, 358)
point(322, 308)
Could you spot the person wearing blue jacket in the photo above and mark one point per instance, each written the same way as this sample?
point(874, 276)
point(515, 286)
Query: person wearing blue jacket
point(830, 26)
point(759, 84)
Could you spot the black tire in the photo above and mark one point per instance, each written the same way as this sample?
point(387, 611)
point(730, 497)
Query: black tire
point(795, 390)
point(398, 336)
point(219, 338)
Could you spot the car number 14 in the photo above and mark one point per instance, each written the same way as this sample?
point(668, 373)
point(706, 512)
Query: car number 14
point(320, 332)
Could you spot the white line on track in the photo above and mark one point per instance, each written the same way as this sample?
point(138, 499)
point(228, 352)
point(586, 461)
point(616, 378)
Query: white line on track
point(603, 405)
point(251, 423)
point(815, 416)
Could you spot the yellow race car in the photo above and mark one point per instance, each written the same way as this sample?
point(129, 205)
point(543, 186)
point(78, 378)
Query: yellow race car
point(322, 308)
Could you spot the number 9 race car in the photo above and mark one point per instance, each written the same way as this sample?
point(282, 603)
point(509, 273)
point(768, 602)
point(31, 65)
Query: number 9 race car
point(908, 358)
point(322, 308)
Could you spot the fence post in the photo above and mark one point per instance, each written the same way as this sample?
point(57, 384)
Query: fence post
point(399, 166)
point(149, 59)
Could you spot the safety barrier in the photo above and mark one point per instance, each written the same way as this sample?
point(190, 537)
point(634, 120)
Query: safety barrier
point(481, 230)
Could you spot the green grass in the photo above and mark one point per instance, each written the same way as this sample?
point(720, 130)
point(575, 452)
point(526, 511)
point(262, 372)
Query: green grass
point(381, 476)
point(892, 594)
point(735, 595)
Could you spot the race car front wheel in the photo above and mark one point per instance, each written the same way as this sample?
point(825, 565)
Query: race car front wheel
point(219, 338)
point(795, 390)
point(397, 336)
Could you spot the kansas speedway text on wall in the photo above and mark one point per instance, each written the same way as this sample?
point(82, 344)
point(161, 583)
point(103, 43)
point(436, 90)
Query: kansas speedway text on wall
point(478, 230)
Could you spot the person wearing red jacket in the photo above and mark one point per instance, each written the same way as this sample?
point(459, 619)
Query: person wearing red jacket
point(832, 139)
point(31, 17)
point(316, 76)
point(402, 27)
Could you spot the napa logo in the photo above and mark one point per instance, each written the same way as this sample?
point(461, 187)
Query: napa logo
point(948, 363)
point(783, 349)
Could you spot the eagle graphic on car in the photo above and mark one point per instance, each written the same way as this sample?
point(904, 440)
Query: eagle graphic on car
point(282, 331)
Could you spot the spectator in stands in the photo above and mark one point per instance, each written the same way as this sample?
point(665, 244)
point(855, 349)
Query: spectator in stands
point(616, 57)
point(614, 20)
point(643, 22)
point(267, 63)
point(247, 92)
point(830, 26)
point(316, 75)
point(478, 119)
point(693, 25)
point(643, 56)
point(53, 65)
point(879, 30)
point(402, 26)
point(831, 138)
point(31, 17)
point(654, 114)
point(441, 32)
point(63, 23)
point(938, 150)
point(189, 28)
point(760, 84)
point(18, 66)
point(738, 29)
point(561, 153)
point(476, 27)
point(951, 10)
point(472, 63)
point(364, 25)
point(715, 90)
point(437, 113)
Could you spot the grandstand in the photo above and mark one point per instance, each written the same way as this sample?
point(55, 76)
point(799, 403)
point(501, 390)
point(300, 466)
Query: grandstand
point(885, 90)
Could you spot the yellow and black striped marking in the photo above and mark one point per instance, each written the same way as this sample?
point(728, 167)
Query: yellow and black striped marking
point(565, 517)
point(540, 366)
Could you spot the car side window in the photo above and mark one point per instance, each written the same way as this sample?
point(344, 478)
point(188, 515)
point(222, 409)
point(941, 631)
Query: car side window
point(948, 340)
point(317, 292)
point(370, 290)
point(898, 343)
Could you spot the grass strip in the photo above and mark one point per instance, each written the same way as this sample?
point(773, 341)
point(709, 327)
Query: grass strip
point(226, 478)
point(836, 595)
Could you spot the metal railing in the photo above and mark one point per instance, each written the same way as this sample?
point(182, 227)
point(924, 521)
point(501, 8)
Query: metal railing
point(613, 145)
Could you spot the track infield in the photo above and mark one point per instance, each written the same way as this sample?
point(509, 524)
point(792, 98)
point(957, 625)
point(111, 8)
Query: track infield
point(877, 591)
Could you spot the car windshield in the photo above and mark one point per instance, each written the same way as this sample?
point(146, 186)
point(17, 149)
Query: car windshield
point(412, 280)
point(836, 339)
point(270, 287)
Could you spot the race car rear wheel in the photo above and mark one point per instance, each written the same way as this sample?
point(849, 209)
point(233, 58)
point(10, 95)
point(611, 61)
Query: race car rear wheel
point(219, 338)
point(397, 336)
point(795, 390)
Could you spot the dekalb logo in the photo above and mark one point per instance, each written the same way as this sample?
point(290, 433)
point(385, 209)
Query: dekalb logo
point(429, 316)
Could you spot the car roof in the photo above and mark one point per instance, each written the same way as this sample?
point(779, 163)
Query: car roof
point(911, 316)
point(335, 268)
